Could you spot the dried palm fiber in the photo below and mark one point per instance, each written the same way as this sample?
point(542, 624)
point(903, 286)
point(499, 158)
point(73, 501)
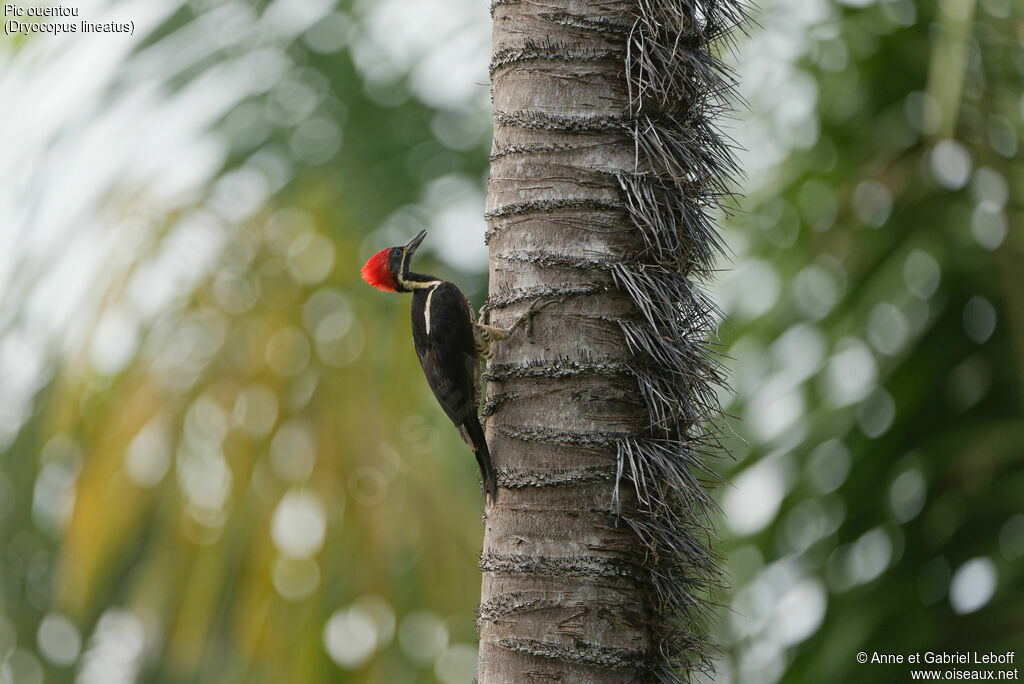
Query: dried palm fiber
point(681, 172)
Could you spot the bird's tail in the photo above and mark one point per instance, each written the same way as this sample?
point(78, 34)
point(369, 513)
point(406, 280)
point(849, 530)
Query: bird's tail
point(474, 435)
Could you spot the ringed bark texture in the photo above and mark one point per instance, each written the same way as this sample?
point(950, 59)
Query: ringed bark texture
point(597, 564)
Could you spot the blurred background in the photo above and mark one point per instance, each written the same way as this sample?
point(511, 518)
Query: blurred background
point(219, 461)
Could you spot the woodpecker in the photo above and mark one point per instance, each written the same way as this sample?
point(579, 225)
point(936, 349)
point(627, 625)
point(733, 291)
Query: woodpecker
point(449, 343)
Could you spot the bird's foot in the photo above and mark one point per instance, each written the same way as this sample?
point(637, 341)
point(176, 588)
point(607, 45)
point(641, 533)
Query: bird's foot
point(487, 335)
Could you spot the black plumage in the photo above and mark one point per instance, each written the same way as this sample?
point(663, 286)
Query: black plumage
point(442, 332)
point(448, 342)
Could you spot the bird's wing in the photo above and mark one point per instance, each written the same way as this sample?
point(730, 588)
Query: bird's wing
point(449, 358)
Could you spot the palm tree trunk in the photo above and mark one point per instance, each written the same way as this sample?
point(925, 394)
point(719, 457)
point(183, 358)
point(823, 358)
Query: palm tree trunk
point(596, 564)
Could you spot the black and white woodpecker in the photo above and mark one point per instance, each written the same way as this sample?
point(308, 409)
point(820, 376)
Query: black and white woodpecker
point(449, 343)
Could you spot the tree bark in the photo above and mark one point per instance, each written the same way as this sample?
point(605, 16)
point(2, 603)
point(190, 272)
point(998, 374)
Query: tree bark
point(595, 562)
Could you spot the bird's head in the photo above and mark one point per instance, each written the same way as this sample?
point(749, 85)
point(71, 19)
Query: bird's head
point(388, 269)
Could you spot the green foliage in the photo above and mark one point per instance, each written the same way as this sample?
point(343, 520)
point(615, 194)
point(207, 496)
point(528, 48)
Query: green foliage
point(877, 503)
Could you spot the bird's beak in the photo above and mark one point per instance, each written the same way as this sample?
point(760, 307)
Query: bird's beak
point(411, 246)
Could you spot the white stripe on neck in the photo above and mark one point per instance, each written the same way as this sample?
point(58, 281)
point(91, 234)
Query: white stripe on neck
point(417, 285)
point(426, 309)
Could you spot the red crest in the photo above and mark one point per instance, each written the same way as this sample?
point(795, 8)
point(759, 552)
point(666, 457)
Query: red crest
point(377, 272)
